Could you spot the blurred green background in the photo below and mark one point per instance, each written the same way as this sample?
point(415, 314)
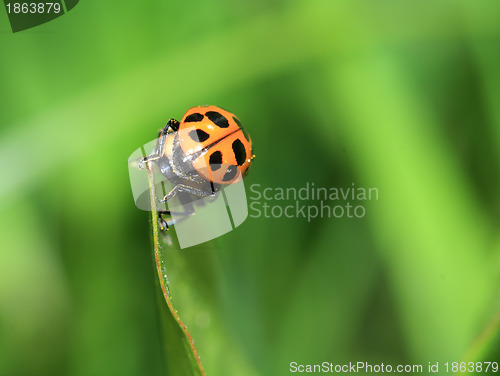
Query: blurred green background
point(399, 95)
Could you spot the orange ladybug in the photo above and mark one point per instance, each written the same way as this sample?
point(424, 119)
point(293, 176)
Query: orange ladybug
point(206, 150)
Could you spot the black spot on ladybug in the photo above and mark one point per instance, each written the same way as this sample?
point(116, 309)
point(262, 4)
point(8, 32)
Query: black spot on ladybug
point(215, 160)
point(245, 134)
point(230, 173)
point(239, 151)
point(237, 121)
point(199, 135)
point(194, 118)
point(217, 119)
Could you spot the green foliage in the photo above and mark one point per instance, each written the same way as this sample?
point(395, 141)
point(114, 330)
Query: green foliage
point(179, 353)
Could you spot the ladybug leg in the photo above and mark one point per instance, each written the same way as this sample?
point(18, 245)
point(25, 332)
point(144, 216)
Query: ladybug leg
point(166, 223)
point(186, 188)
point(172, 126)
point(161, 221)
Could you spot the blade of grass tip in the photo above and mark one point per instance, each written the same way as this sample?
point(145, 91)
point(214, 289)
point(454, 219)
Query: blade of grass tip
point(191, 352)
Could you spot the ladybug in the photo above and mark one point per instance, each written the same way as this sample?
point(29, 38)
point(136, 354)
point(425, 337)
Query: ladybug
point(207, 150)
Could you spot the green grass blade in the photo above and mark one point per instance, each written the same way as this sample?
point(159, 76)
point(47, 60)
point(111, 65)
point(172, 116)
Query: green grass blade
point(181, 357)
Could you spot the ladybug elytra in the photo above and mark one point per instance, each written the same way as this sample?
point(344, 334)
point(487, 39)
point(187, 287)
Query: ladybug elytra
point(205, 151)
